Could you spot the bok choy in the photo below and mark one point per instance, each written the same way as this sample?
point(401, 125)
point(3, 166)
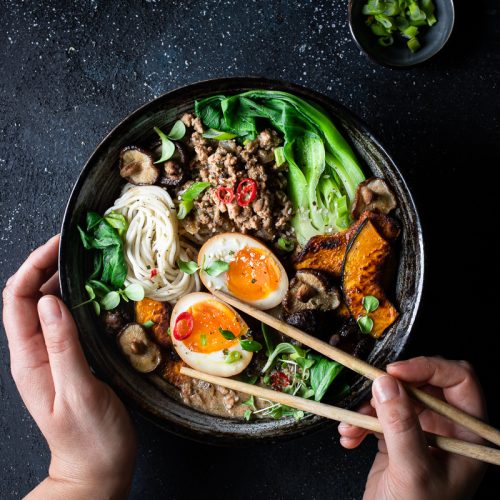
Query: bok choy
point(323, 172)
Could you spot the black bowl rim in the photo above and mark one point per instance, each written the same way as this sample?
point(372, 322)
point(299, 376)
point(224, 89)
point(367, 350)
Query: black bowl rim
point(236, 81)
point(374, 58)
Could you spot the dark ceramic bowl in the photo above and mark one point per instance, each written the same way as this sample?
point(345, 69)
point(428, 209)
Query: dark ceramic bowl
point(99, 185)
point(432, 39)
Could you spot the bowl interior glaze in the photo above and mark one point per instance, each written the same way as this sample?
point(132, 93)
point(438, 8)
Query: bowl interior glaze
point(99, 185)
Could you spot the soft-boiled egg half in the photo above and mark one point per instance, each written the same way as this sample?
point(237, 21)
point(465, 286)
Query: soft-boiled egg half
point(201, 327)
point(254, 275)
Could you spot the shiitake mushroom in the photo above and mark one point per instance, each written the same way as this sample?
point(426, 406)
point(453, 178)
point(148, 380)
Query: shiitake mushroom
point(137, 167)
point(143, 354)
point(373, 195)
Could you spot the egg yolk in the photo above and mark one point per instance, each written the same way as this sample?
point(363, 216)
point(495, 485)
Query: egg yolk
point(208, 317)
point(253, 274)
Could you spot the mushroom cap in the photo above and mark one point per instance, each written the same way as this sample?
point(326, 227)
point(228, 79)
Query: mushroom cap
point(136, 165)
point(311, 289)
point(374, 195)
point(143, 354)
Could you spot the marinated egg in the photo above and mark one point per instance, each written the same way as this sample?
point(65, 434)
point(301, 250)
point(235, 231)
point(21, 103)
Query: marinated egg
point(201, 326)
point(254, 275)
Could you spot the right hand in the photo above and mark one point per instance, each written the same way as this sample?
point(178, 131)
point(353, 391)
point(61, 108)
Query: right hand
point(405, 467)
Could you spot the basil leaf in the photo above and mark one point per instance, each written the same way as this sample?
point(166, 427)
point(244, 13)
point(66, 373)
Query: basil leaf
point(167, 146)
point(283, 348)
point(365, 324)
point(216, 267)
point(148, 324)
point(233, 356)
point(250, 345)
point(110, 300)
point(134, 292)
point(92, 220)
point(322, 375)
point(86, 239)
point(90, 292)
point(117, 221)
point(178, 131)
point(218, 135)
point(227, 334)
point(187, 267)
point(370, 303)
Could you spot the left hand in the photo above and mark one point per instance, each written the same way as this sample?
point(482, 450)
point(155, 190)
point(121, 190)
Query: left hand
point(91, 439)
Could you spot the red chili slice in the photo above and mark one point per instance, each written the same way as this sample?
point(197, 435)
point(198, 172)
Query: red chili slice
point(279, 381)
point(246, 192)
point(153, 273)
point(226, 195)
point(183, 326)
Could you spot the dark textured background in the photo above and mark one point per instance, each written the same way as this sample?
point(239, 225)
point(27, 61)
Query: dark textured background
point(69, 73)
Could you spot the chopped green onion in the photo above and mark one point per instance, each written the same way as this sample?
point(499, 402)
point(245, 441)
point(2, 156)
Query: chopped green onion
point(385, 41)
point(279, 156)
point(148, 324)
point(203, 339)
point(413, 44)
point(233, 356)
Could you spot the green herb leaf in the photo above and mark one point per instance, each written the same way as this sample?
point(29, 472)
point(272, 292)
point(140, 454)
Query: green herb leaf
point(323, 373)
point(92, 220)
point(178, 131)
point(148, 324)
point(218, 135)
point(370, 303)
point(203, 340)
point(110, 300)
point(247, 415)
point(285, 245)
point(187, 267)
point(90, 292)
point(97, 307)
point(283, 348)
point(233, 356)
point(86, 239)
point(187, 198)
point(134, 292)
point(250, 345)
point(99, 287)
point(227, 334)
point(167, 146)
point(216, 267)
point(117, 221)
point(365, 324)
point(250, 402)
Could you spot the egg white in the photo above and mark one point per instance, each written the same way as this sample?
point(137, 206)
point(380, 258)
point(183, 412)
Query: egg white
point(213, 363)
point(223, 247)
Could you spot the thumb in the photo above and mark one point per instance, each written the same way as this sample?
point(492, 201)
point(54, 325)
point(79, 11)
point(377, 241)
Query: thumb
point(68, 365)
point(403, 435)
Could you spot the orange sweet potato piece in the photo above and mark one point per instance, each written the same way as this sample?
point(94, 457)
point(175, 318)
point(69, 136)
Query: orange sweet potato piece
point(326, 252)
point(157, 312)
point(363, 266)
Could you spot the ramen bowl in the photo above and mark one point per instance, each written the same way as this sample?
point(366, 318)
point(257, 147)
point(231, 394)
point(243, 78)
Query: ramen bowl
point(99, 185)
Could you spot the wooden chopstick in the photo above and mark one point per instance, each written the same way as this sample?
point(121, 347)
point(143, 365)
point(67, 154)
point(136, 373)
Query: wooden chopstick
point(470, 450)
point(363, 368)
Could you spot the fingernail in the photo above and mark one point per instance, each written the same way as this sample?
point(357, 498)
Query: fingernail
point(385, 388)
point(344, 426)
point(49, 310)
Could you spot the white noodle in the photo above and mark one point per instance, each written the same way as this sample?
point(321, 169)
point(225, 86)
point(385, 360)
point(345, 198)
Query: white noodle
point(152, 242)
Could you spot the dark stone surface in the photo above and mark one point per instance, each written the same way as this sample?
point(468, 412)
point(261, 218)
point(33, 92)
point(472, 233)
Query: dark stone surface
point(69, 73)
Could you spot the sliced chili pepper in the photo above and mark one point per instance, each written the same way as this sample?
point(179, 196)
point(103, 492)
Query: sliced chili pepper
point(246, 192)
point(153, 273)
point(226, 195)
point(279, 381)
point(183, 325)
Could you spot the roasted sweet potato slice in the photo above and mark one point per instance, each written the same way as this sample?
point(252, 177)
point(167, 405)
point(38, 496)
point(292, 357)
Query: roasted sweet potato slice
point(362, 269)
point(157, 312)
point(326, 252)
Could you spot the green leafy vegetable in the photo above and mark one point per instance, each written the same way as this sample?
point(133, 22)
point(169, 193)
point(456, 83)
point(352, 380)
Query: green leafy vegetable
point(117, 221)
point(285, 245)
point(134, 292)
point(250, 345)
point(178, 131)
point(110, 300)
point(323, 372)
point(365, 324)
point(216, 267)
point(227, 334)
point(399, 16)
point(370, 303)
point(268, 339)
point(321, 165)
point(188, 197)
point(233, 356)
point(279, 156)
point(187, 267)
point(167, 146)
point(247, 415)
point(283, 348)
point(218, 135)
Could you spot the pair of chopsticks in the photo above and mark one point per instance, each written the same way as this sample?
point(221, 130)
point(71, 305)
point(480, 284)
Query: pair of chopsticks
point(471, 450)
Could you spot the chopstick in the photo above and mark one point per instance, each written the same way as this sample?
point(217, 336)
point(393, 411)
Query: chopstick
point(464, 448)
point(363, 368)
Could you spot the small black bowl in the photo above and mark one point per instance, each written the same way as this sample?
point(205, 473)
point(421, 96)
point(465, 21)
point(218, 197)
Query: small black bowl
point(398, 55)
point(99, 184)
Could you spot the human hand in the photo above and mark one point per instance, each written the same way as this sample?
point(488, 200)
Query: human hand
point(405, 467)
point(89, 433)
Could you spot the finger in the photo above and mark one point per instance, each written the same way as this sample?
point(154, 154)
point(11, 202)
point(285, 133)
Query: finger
point(352, 431)
point(403, 436)
point(68, 365)
point(456, 378)
point(51, 286)
point(350, 443)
